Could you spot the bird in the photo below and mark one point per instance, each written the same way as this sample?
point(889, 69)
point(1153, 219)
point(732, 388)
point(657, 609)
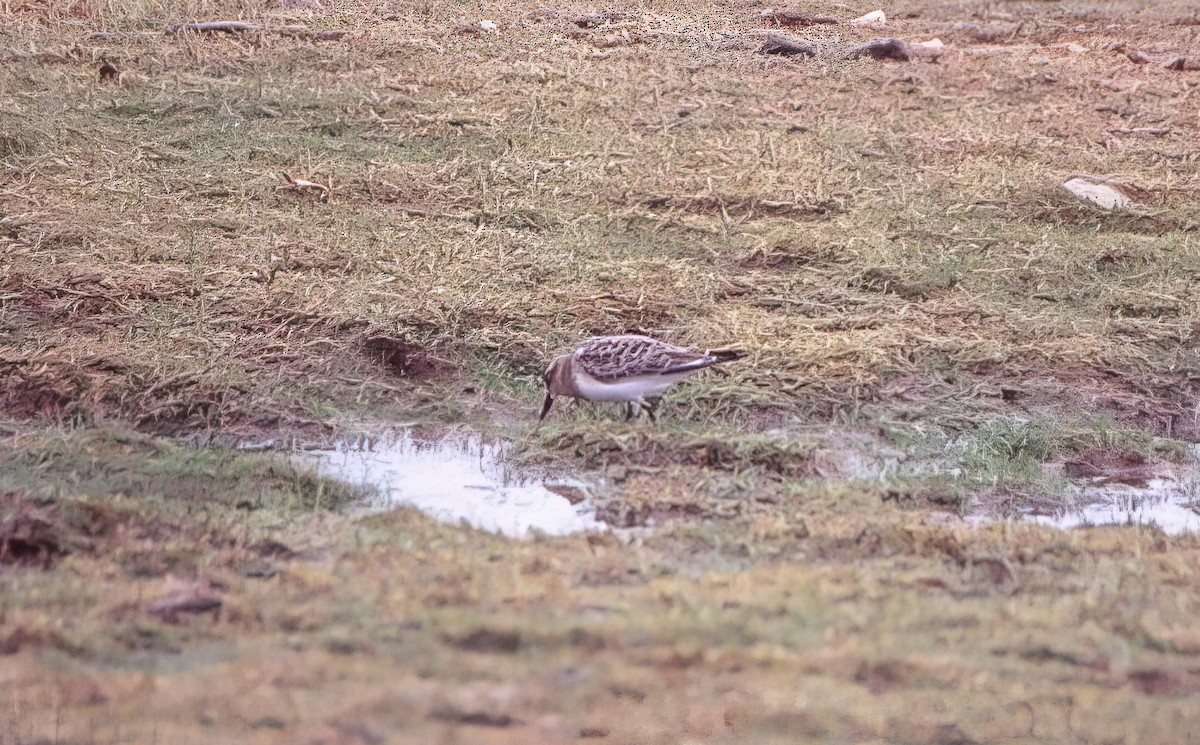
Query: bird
point(631, 368)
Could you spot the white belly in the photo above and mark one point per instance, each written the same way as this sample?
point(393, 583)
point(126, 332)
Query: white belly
point(627, 389)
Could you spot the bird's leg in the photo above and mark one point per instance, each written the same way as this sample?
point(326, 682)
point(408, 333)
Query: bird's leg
point(628, 410)
point(649, 407)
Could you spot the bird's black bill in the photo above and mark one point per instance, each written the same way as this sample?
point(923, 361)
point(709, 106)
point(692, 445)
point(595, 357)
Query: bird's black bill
point(546, 406)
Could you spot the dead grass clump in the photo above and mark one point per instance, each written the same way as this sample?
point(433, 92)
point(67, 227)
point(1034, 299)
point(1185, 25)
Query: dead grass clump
point(622, 313)
point(741, 206)
point(788, 257)
point(77, 289)
point(17, 144)
point(887, 281)
point(42, 389)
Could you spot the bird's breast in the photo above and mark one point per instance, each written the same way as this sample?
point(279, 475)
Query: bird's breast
point(624, 389)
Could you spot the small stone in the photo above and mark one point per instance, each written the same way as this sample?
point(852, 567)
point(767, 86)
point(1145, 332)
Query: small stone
point(874, 18)
point(1097, 192)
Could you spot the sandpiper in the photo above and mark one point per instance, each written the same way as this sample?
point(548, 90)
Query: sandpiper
point(631, 369)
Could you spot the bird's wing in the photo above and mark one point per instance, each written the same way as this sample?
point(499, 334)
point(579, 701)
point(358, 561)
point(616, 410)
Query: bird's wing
point(610, 358)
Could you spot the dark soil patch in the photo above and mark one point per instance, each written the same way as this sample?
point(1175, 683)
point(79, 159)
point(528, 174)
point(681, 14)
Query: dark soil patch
point(402, 358)
point(31, 539)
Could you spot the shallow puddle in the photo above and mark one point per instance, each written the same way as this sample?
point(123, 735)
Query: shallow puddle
point(1172, 506)
point(458, 479)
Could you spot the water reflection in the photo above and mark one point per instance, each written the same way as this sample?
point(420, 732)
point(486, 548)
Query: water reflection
point(456, 479)
point(1171, 505)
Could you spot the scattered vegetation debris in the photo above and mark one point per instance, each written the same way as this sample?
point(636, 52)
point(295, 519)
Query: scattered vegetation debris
point(590, 20)
point(30, 539)
point(306, 186)
point(1102, 193)
point(1136, 56)
point(618, 39)
point(575, 494)
point(883, 49)
point(242, 27)
point(1142, 131)
point(794, 18)
point(782, 45)
point(108, 71)
point(989, 32)
point(185, 600)
point(874, 18)
point(1141, 58)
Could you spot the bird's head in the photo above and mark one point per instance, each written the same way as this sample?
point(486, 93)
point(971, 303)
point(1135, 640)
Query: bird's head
point(558, 382)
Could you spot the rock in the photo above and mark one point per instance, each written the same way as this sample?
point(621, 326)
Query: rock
point(1100, 193)
point(874, 18)
point(930, 50)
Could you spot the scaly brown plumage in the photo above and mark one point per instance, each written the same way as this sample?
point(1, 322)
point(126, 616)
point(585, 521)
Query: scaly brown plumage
point(628, 368)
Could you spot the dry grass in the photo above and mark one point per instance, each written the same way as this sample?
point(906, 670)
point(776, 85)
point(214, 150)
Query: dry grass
point(222, 602)
point(889, 241)
point(877, 234)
